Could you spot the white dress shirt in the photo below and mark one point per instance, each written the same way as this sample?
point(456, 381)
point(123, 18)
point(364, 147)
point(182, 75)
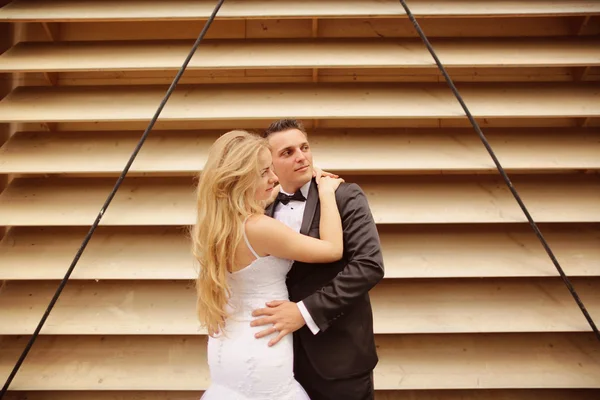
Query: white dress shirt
point(291, 214)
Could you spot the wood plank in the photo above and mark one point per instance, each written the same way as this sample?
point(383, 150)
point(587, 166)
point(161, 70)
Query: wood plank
point(339, 123)
point(399, 307)
point(295, 76)
point(393, 200)
point(409, 252)
point(302, 28)
point(440, 27)
point(463, 361)
point(314, 101)
point(113, 253)
point(488, 251)
point(425, 75)
point(110, 10)
point(168, 55)
point(480, 394)
point(302, 75)
point(398, 151)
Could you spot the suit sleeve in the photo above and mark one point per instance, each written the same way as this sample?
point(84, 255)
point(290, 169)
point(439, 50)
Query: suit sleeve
point(362, 250)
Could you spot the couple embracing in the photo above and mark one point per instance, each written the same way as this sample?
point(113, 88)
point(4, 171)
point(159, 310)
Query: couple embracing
point(285, 272)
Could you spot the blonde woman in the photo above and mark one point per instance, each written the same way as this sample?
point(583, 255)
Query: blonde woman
point(244, 257)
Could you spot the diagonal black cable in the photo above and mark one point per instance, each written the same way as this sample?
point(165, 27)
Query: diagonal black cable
point(109, 198)
point(502, 172)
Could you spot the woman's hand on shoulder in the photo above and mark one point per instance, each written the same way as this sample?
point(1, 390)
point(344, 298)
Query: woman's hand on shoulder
point(329, 185)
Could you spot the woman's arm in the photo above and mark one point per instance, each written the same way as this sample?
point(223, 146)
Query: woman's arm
point(271, 237)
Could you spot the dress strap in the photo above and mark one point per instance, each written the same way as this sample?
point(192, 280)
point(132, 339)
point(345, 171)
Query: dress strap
point(246, 239)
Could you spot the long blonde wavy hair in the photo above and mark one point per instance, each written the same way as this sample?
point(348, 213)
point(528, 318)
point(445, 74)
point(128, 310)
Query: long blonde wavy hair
point(225, 197)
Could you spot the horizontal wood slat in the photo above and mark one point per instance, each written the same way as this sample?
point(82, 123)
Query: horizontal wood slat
point(336, 76)
point(482, 394)
point(108, 10)
point(247, 102)
point(168, 55)
point(371, 27)
point(409, 252)
point(162, 201)
point(399, 306)
point(343, 151)
point(463, 361)
point(340, 123)
point(483, 75)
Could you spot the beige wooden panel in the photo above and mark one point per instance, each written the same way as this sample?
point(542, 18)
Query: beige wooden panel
point(409, 252)
point(108, 363)
point(77, 202)
point(445, 27)
point(112, 253)
point(220, 29)
point(82, 56)
point(468, 27)
point(343, 151)
point(370, 101)
point(302, 28)
point(471, 361)
point(507, 123)
point(71, 10)
point(155, 395)
point(136, 30)
point(339, 123)
point(482, 394)
point(163, 201)
point(192, 77)
point(399, 306)
point(305, 75)
point(540, 305)
point(498, 394)
point(487, 251)
point(459, 75)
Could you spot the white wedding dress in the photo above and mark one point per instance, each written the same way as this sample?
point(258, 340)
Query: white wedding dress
point(241, 366)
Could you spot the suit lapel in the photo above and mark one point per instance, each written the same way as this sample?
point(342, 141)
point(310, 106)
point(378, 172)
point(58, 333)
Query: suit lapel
point(310, 208)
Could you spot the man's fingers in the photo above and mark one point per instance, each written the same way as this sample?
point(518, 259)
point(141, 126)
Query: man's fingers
point(273, 342)
point(275, 303)
point(266, 332)
point(262, 321)
point(262, 311)
point(269, 331)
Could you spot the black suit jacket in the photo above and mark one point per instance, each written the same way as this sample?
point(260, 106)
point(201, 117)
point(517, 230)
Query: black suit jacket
point(336, 294)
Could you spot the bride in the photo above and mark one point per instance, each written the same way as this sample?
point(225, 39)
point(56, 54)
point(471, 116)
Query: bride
point(244, 257)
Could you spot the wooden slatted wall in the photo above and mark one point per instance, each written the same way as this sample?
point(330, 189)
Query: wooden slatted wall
point(6, 82)
point(471, 307)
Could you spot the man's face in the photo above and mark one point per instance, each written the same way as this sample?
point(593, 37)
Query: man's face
point(292, 159)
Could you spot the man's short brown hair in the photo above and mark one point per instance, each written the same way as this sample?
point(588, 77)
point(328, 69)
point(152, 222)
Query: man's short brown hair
point(284, 125)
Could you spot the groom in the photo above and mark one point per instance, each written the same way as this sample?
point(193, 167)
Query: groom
point(330, 310)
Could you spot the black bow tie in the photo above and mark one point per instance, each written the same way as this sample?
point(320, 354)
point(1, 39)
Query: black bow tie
point(285, 198)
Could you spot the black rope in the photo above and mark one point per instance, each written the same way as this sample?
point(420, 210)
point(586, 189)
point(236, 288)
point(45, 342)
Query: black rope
point(109, 198)
point(502, 172)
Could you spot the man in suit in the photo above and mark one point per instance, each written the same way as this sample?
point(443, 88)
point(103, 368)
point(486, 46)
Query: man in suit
point(330, 310)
